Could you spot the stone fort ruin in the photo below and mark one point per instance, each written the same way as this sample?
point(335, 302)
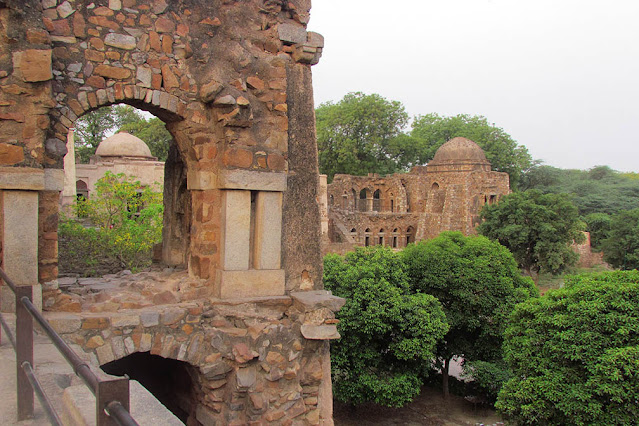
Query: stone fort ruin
point(445, 195)
point(248, 324)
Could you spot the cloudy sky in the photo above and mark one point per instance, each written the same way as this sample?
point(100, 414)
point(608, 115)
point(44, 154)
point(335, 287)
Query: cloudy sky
point(560, 76)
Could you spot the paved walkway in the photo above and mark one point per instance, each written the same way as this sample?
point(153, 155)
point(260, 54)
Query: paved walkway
point(51, 369)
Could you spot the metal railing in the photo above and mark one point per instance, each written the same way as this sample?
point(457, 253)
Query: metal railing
point(111, 396)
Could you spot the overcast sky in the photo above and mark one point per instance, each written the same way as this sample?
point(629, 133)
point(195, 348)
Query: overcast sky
point(560, 76)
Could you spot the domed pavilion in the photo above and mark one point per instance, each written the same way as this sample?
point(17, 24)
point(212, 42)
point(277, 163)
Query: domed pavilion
point(119, 153)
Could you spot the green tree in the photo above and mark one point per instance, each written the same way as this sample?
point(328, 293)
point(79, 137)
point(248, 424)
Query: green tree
point(574, 354)
point(153, 133)
point(621, 248)
point(432, 130)
point(598, 224)
point(126, 219)
point(91, 129)
point(478, 283)
point(361, 134)
point(598, 190)
point(537, 228)
point(388, 334)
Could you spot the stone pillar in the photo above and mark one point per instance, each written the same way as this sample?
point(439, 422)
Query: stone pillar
point(267, 245)
point(69, 191)
point(20, 244)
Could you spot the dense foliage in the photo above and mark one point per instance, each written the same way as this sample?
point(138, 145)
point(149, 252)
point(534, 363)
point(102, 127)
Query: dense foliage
point(431, 131)
point(93, 127)
point(574, 354)
point(359, 135)
point(478, 284)
point(598, 190)
point(126, 221)
point(537, 228)
point(388, 333)
point(621, 247)
point(363, 134)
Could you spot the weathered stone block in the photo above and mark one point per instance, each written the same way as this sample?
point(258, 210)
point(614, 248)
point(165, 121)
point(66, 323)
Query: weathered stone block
point(33, 65)
point(291, 33)
point(267, 240)
point(121, 41)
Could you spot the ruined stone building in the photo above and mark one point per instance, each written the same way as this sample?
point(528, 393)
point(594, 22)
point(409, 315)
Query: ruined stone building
point(119, 153)
point(249, 323)
point(445, 195)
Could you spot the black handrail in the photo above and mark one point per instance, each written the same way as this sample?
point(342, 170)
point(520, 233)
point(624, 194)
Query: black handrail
point(112, 396)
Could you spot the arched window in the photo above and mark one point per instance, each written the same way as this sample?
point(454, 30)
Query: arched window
point(331, 200)
point(395, 238)
point(377, 201)
point(364, 196)
point(438, 198)
point(410, 235)
point(367, 237)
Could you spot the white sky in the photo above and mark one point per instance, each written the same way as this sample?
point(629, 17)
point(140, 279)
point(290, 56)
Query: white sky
point(561, 77)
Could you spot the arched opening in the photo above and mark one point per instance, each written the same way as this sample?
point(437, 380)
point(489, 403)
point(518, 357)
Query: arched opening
point(438, 198)
point(169, 380)
point(367, 237)
point(380, 237)
point(331, 200)
point(364, 198)
point(81, 190)
point(377, 200)
point(395, 238)
point(410, 235)
point(137, 148)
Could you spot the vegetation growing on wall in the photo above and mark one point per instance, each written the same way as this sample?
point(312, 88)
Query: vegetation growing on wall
point(125, 221)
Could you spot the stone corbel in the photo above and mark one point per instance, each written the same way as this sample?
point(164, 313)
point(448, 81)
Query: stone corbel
point(317, 310)
point(307, 46)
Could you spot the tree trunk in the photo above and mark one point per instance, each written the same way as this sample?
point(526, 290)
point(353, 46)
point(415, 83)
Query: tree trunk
point(445, 378)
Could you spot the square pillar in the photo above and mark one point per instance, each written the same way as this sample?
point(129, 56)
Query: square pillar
point(236, 230)
point(20, 243)
point(267, 247)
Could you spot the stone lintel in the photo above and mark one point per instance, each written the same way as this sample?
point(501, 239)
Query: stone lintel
point(320, 332)
point(313, 300)
point(250, 284)
point(252, 180)
point(53, 179)
point(22, 178)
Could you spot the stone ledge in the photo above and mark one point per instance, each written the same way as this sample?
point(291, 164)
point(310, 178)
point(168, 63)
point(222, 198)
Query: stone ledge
point(320, 332)
point(313, 300)
point(22, 178)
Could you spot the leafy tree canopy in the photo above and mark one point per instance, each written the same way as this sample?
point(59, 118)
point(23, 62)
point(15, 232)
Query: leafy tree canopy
point(598, 190)
point(574, 354)
point(477, 282)
point(93, 127)
point(537, 228)
point(388, 333)
point(621, 248)
point(431, 131)
point(361, 134)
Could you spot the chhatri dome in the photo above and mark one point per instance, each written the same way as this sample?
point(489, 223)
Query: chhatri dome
point(123, 144)
point(459, 152)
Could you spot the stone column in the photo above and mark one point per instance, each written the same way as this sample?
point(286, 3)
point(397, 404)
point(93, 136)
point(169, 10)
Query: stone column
point(69, 191)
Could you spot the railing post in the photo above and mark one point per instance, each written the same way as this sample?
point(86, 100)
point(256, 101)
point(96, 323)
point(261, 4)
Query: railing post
point(24, 352)
point(112, 390)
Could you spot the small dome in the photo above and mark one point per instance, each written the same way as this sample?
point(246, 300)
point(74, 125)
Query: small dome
point(459, 150)
point(123, 144)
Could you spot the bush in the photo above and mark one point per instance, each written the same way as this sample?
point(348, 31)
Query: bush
point(574, 354)
point(125, 222)
point(388, 334)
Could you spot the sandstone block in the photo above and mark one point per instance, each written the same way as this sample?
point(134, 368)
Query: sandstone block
point(237, 227)
point(115, 73)
point(320, 332)
point(33, 65)
point(10, 154)
point(164, 25)
point(291, 33)
point(121, 41)
point(250, 283)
